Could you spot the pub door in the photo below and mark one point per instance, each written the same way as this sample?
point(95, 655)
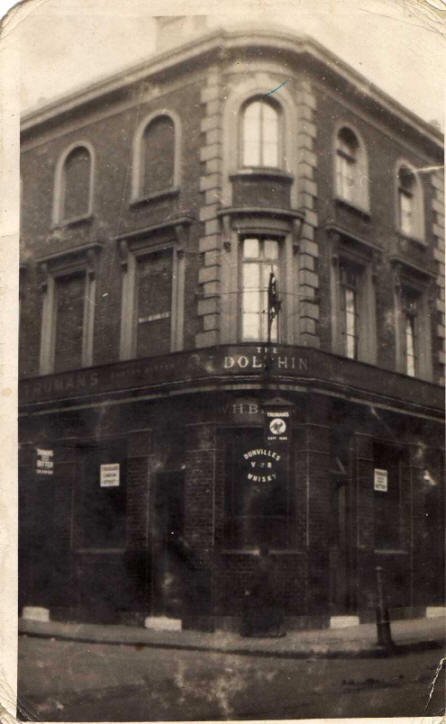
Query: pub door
point(339, 552)
point(168, 577)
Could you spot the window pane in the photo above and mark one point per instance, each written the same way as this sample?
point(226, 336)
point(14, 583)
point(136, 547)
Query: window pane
point(270, 136)
point(251, 326)
point(410, 346)
point(406, 211)
point(76, 183)
point(345, 178)
point(251, 134)
point(271, 249)
point(260, 137)
point(251, 276)
point(251, 248)
point(159, 155)
point(70, 299)
point(154, 300)
point(350, 321)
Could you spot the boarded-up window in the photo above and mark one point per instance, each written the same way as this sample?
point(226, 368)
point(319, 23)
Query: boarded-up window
point(154, 303)
point(159, 155)
point(76, 183)
point(70, 302)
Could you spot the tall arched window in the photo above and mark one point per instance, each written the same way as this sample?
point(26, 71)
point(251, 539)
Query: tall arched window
point(260, 134)
point(351, 169)
point(76, 180)
point(158, 151)
point(410, 203)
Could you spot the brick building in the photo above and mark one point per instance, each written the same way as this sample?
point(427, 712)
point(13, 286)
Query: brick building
point(155, 206)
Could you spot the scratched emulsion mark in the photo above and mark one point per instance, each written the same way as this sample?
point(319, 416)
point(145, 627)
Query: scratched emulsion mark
point(276, 89)
point(442, 663)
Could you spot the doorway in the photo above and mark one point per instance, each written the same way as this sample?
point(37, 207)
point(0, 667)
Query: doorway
point(168, 580)
point(339, 550)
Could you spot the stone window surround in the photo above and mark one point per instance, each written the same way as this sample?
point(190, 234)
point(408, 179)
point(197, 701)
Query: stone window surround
point(58, 218)
point(138, 244)
point(81, 259)
point(347, 248)
point(420, 283)
point(137, 195)
point(363, 203)
point(419, 233)
point(240, 95)
point(280, 224)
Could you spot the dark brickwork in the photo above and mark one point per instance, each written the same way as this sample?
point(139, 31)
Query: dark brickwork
point(179, 433)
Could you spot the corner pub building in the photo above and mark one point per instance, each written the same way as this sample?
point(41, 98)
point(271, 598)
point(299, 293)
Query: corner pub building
point(162, 438)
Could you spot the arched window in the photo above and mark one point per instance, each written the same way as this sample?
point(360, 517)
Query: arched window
point(158, 151)
point(260, 134)
point(351, 169)
point(76, 184)
point(410, 204)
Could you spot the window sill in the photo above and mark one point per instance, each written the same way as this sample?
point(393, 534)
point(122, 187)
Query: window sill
point(263, 172)
point(391, 552)
point(255, 551)
point(351, 206)
point(84, 219)
point(164, 193)
point(413, 239)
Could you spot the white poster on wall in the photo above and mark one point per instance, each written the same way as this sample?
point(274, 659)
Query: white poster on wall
point(109, 477)
point(44, 462)
point(380, 480)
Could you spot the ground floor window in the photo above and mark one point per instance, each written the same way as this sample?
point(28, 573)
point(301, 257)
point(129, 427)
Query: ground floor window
point(101, 497)
point(387, 496)
point(259, 501)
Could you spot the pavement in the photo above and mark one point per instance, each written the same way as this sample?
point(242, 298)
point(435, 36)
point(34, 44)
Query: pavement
point(354, 641)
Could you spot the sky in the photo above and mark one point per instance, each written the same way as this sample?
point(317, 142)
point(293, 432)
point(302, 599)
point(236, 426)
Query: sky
point(65, 44)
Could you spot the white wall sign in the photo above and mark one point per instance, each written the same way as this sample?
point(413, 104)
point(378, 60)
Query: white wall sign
point(380, 480)
point(110, 475)
point(44, 462)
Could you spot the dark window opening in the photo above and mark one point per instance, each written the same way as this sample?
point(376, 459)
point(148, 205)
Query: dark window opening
point(259, 502)
point(101, 501)
point(387, 500)
point(158, 156)
point(76, 184)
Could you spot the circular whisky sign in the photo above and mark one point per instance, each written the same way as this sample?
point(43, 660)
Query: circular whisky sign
point(277, 426)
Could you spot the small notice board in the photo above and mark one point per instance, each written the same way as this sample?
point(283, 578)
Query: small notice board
point(380, 480)
point(109, 475)
point(44, 462)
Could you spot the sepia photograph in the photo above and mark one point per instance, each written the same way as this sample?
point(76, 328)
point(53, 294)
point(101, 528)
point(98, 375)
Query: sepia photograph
point(231, 499)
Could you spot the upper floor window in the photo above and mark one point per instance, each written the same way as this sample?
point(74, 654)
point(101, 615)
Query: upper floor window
point(410, 203)
point(350, 283)
point(353, 304)
point(413, 324)
point(410, 333)
point(351, 169)
point(260, 136)
point(156, 157)
point(153, 298)
point(260, 258)
point(68, 309)
point(73, 185)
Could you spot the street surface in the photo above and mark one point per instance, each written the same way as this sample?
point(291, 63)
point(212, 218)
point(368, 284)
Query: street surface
point(71, 681)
